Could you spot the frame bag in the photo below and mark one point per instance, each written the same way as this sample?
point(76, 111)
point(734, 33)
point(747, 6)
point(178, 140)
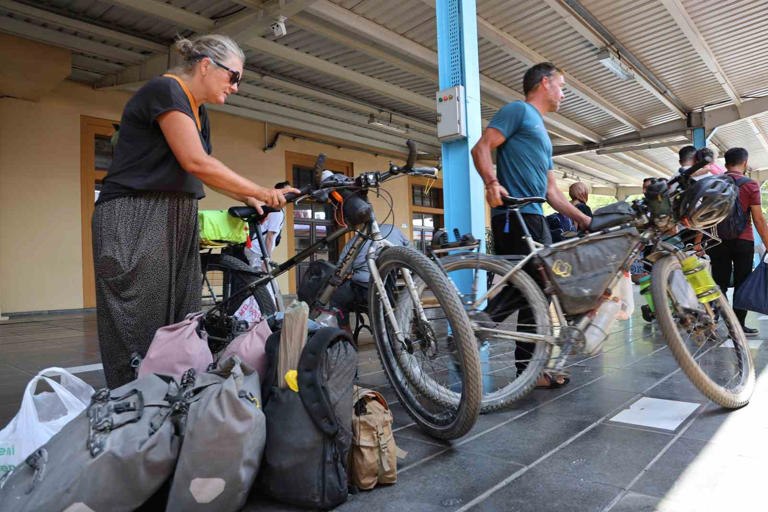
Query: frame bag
point(581, 270)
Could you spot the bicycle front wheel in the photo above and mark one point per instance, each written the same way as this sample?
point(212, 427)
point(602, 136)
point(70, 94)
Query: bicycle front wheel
point(706, 339)
point(428, 352)
point(510, 366)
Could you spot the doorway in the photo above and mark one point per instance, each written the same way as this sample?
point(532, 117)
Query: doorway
point(309, 221)
point(96, 153)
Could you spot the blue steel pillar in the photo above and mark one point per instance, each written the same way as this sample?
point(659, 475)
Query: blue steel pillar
point(699, 138)
point(463, 191)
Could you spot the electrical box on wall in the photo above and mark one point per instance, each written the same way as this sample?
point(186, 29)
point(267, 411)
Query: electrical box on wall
point(451, 114)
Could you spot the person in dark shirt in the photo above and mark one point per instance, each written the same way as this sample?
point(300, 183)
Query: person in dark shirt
point(579, 193)
point(734, 256)
point(145, 228)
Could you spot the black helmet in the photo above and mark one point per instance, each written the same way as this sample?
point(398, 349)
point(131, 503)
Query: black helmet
point(705, 203)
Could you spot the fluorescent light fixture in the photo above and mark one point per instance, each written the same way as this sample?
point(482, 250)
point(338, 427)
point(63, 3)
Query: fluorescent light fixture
point(387, 125)
point(615, 65)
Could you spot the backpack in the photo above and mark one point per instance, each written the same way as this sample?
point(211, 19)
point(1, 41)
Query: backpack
point(309, 432)
point(733, 225)
point(373, 456)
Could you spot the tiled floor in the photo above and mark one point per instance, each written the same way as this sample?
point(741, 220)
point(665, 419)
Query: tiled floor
point(562, 449)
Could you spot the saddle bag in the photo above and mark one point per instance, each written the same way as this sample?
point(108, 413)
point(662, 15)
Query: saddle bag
point(223, 441)
point(111, 458)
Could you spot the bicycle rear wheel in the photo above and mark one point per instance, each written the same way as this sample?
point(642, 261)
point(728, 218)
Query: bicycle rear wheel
point(510, 366)
point(435, 370)
point(713, 353)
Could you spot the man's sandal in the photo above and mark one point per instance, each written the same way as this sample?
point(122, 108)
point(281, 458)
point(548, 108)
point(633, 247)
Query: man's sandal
point(553, 379)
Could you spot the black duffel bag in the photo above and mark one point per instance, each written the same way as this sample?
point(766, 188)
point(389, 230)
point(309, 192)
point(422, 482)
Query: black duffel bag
point(581, 270)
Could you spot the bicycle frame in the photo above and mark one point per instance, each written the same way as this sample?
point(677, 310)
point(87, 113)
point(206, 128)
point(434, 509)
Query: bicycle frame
point(343, 269)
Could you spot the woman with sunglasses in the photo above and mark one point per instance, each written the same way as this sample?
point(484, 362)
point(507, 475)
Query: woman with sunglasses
point(145, 228)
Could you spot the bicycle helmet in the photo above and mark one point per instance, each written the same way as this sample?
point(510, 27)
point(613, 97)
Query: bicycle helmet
point(705, 203)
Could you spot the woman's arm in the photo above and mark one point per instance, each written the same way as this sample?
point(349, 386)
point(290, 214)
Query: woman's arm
point(182, 137)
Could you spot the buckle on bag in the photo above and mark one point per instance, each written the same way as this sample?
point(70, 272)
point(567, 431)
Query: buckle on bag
point(37, 461)
point(101, 414)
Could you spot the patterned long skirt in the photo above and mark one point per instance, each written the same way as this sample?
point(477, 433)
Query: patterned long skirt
point(147, 266)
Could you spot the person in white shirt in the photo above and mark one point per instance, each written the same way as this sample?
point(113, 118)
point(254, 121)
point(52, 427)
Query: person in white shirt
point(270, 227)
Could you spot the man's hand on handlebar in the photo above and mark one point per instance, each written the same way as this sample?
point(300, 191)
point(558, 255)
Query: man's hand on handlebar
point(494, 192)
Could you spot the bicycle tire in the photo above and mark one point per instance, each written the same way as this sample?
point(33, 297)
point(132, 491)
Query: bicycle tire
point(531, 294)
point(450, 414)
point(732, 398)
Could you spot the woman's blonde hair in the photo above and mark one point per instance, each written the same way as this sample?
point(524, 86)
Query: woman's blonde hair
point(215, 46)
point(579, 191)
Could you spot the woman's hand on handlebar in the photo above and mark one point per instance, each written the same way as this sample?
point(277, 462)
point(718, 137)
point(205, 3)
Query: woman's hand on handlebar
point(494, 192)
point(255, 203)
point(275, 197)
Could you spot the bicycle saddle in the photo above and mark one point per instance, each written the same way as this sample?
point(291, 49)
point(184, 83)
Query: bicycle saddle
point(518, 202)
point(249, 213)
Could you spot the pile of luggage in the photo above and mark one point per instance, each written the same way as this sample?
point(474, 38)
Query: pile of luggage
point(298, 431)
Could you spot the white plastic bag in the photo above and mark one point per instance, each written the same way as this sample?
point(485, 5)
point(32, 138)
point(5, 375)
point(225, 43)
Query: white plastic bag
point(42, 415)
point(626, 298)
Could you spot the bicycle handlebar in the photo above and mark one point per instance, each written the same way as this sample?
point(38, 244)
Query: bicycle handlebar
point(692, 169)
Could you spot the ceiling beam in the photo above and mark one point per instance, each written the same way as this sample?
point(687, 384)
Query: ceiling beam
point(339, 126)
point(168, 12)
point(81, 26)
point(340, 115)
point(611, 174)
point(328, 68)
point(152, 67)
point(689, 29)
point(56, 38)
point(659, 169)
point(593, 31)
point(699, 43)
point(516, 49)
point(323, 29)
point(643, 169)
point(345, 102)
point(320, 129)
point(385, 38)
point(257, 21)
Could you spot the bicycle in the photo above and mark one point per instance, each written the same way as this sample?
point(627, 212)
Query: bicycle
point(698, 324)
point(235, 273)
point(431, 359)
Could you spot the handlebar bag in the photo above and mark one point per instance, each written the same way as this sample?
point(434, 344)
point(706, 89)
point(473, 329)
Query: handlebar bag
point(219, 225)
point(581, 270)
point(614, 214)
point(111, 458)
point(223, 442)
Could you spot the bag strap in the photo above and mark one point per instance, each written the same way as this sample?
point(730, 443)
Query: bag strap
point(192, 102)
point(312, 390)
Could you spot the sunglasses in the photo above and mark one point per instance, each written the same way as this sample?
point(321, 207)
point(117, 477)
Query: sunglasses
point(234, 76)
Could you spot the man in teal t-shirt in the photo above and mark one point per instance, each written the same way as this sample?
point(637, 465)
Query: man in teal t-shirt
point(524, 169)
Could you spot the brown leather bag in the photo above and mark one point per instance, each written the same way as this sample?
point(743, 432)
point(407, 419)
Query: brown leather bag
point(373, 456)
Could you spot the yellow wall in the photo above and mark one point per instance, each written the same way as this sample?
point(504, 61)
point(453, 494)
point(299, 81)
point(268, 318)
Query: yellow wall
point(40, 225)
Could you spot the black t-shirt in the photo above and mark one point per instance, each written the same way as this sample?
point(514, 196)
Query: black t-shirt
point(583, 208)
point(143, 160)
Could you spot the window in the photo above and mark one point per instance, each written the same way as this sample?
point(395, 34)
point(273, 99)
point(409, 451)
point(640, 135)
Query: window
point(426, 210)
